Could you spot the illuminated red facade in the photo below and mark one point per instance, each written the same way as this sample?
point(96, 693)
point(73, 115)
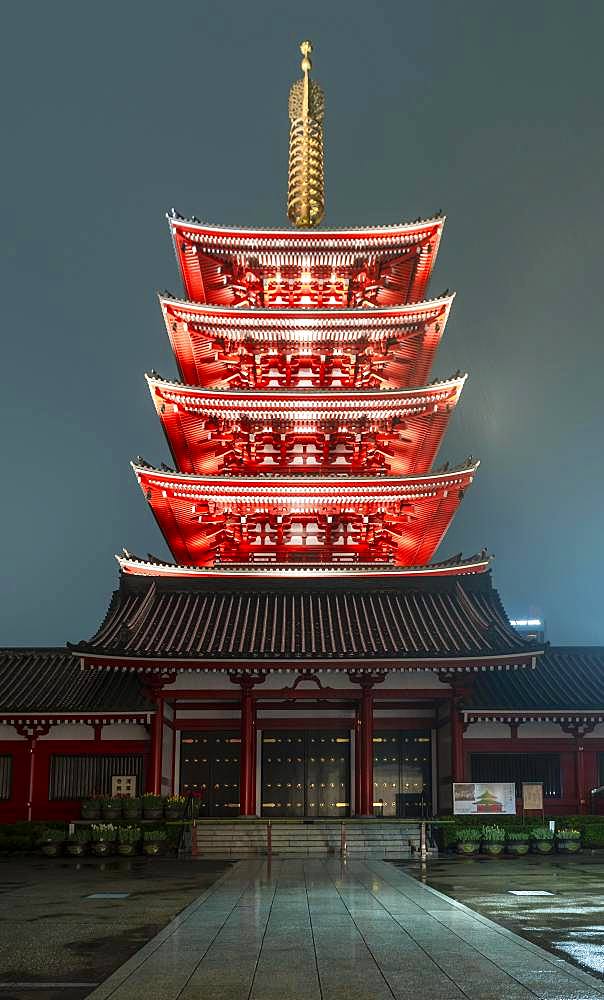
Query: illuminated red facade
point(305, 428)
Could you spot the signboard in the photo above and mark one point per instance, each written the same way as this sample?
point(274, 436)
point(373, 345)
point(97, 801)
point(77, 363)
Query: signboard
point(532, 795)
point(484, 798)
point(123, 784)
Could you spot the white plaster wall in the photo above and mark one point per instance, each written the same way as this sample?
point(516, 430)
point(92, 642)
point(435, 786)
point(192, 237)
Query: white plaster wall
point(212, 681)
point(194, 713)
point(124, 731)
point(9, 733)
point(67, 732)
point(598, 733)
point(488, 731)
point(270, 713)
point(403, 713)
point(541, 730)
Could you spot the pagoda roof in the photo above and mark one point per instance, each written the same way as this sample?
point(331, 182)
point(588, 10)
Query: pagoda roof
point(455, 566)
point(308, 404)
point(313, 247)
point(192, 511)
point(49, 680)
point(266, 491)
point(194, 327)
point(569, 679)
point(436, 624)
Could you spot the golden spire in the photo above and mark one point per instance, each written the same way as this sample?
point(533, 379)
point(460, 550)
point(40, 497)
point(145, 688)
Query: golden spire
point(306, 189)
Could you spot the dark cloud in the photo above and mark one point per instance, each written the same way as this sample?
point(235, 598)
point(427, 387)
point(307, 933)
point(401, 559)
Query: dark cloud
point(115, 112)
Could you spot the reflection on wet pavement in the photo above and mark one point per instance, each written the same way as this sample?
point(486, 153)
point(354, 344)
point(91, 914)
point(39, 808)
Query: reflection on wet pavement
point(569, 923)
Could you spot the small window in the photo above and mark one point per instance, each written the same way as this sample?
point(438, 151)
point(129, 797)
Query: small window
point(519, 767)
point(6, 775)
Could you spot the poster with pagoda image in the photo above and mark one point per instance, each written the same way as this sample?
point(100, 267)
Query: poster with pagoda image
point(484, 798)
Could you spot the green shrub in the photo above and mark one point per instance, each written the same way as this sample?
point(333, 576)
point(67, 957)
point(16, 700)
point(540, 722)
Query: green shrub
point(467, 835)
point(81, 835)
point(102, 832)
point(568, 834)
point(517, 836)
point(493, 833)
point(53, 836)
point(129, 834)
point(542, 833)
point(155, 835)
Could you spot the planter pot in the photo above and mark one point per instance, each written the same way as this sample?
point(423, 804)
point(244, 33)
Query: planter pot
point(174, 812)
point(75, 849)
point(568, 846)
point(132, 813)
point(126, 850)
point(517, 847)
point(151, 849)
point(468, 849)
point(153, 812)
point(52, 849)
point(111, 812)
point(102, 848)
point(91, 810)
point(491, 848)
point(542, 846)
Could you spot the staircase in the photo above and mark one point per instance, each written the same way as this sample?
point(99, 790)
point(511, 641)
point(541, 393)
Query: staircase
point(370, 839)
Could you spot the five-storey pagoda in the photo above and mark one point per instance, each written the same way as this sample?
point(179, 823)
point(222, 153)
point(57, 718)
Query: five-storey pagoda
point(303, 515)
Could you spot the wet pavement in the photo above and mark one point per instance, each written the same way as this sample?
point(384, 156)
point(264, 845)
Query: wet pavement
point(569, 923)
point(58, 942)
point(331, 929)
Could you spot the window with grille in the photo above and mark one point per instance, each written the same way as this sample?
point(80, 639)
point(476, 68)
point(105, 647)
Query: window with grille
point(6, 775)
point(73, 776)
point(519, 767)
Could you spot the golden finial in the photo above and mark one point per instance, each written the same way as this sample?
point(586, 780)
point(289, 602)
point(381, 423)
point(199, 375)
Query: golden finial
point(306, 189)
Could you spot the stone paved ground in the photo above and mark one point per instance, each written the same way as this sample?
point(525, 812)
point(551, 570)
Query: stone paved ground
point(333, 930)
point(50, 933)
point(570, 922)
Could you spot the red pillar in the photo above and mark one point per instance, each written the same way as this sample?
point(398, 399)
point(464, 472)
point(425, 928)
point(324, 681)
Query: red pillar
point(247, 779)
point(32, 733)
point(155, 757)
point(247, 765)
point(364, 741)
point(457, 752)
point(357, 764)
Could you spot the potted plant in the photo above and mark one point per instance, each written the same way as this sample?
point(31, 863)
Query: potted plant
point(77, 841)
point(542, 840)
point(467, 840)
point(568, 841)
point(111, 807)
point(102, 836)
point(153, 840)
point(91, 807)
point(516, 842)
point(174, 806)
point(132, 808)
point(153, 807)
point(128, 839)
point(492, 840)
point(51, 842)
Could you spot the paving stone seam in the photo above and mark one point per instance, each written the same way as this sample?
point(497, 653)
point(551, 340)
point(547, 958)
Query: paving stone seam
point(270, 910)
point(123, 973)
point(558, 964)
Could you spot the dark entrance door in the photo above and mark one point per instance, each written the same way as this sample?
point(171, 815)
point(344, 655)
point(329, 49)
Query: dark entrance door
point(402, 773)
point(306, 773)
point(209, 765)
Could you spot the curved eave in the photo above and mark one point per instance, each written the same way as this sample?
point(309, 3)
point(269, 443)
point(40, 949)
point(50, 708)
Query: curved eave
point(307, 403)
point(367, 321)
point(235, 240)
point(312, 488)
point(134, 566)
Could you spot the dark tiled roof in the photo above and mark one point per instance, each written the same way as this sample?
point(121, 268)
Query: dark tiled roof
point(567, 677)
point(50, 680)
point(346, 619)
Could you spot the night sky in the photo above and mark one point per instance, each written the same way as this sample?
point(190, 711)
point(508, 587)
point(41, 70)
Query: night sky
point(115, 112)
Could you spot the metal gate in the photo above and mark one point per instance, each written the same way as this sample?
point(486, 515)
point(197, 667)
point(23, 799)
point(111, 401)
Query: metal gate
point(306, 773)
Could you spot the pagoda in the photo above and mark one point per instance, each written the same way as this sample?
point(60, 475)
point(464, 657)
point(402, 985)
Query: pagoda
point(303, 510)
